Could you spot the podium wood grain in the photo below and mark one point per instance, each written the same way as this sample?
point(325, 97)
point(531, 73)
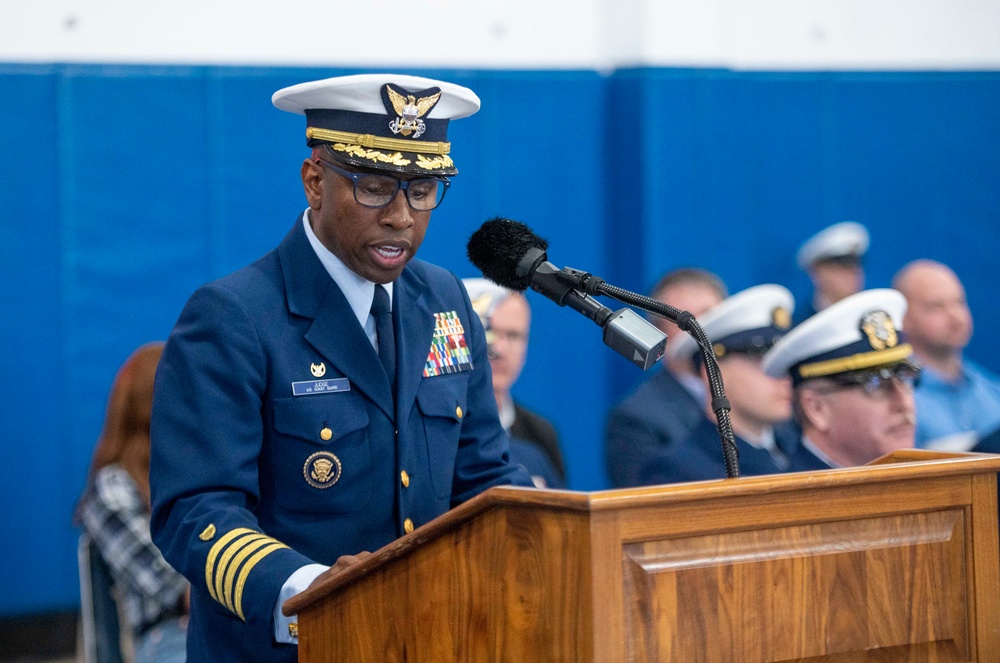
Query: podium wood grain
point(897, 561)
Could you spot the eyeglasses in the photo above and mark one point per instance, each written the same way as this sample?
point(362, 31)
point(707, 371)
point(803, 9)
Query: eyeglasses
point(375, 191)
point(879, 383)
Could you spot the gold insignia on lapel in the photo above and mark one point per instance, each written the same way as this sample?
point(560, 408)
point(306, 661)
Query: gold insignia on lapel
point(410, 110)
point(781, 318)
point(878, 327)
point(208, 533)
point(318, 370)
point(322, 469)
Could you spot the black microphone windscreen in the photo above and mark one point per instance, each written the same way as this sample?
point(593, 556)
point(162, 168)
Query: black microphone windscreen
point(497, 248)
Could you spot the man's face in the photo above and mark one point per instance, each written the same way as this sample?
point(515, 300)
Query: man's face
point(509, 329)
point(375, 244)
point(856, 427)
point(834, 280)
point(937, 320)
point(756, 398)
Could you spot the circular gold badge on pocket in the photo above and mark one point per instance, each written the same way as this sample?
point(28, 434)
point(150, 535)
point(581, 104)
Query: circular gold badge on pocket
point(322, 469)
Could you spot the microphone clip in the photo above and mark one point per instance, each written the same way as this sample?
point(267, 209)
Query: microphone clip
point(581, 280)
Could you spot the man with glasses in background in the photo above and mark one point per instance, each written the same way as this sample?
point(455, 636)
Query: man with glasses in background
point(853, 376)
point(334, 395)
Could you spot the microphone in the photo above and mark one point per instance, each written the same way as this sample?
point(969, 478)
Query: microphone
point(512, 256)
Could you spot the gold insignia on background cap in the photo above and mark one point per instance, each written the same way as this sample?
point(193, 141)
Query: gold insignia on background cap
point(482, 304)
point(208, 533)
point(781, 318)
point(318, 370)
point(409, 109)
point(878, 327)
point(322, 469)
point(720, 350)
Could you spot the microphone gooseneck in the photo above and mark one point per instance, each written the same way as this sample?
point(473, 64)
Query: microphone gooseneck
point(687, 322)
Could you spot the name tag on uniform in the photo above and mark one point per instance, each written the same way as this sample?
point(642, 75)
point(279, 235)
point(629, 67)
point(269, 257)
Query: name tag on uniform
point(309, 387)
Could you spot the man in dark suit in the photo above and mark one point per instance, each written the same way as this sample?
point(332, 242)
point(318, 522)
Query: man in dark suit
point(335, 394)
point(667, 406)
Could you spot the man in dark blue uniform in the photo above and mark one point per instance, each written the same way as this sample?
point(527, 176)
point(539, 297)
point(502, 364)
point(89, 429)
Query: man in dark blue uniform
point(741, 328)
point(335, 394)
point(853, 376)
point(834, 260)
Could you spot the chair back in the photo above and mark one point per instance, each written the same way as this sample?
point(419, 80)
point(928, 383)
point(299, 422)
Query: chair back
point(101, 629)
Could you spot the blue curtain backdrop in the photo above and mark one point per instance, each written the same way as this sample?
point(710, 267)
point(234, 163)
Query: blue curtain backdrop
point(123, 188)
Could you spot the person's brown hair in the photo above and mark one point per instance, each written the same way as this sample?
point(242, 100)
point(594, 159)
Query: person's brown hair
point(125, 437)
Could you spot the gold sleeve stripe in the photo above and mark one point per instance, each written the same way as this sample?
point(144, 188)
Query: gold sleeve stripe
point(252, 562)
point(226, 564)
point(379, 142)
point(856, 362)
point(226, 590)
point(214, 552)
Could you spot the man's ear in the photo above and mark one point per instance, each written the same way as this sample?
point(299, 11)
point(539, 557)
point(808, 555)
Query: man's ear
point(815, 410)
point(312, 182)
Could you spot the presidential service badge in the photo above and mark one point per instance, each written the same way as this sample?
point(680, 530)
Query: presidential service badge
point(322, 469)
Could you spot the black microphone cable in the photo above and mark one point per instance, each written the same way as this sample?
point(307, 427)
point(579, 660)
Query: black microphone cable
point(686, 322)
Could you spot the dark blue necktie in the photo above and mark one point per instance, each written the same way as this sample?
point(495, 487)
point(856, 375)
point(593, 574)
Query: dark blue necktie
point(382, 312)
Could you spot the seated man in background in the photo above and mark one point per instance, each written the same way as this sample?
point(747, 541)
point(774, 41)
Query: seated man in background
point(114, 512)
point(958, 402)
point(853, 376)
point(506, 317)
point(741, 328)
point(833, 258)
point(668, 405)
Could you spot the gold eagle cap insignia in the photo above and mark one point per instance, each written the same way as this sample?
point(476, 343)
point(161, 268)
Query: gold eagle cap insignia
point(879, 329)
point(409, 109)
point(400, 102)
point(781, 318)
point(482, 304)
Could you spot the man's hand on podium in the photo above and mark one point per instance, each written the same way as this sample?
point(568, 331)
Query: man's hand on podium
point(342, 563)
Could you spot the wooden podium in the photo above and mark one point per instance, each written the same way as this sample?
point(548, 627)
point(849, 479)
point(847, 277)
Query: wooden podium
point(894, 561)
